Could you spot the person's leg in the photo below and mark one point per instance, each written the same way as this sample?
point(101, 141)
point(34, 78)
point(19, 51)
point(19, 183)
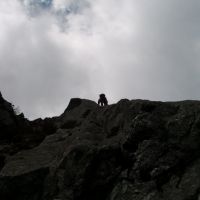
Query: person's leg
point(104, 102)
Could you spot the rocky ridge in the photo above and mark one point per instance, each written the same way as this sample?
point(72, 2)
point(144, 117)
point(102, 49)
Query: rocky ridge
point(138, 149)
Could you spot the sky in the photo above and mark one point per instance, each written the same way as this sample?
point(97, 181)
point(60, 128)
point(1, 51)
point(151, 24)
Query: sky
point(55, 50)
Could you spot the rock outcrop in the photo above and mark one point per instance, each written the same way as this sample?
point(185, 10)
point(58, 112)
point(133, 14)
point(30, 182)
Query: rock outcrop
point(132, 150)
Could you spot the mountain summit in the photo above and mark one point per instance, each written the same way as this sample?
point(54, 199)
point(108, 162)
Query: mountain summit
point(131, 150)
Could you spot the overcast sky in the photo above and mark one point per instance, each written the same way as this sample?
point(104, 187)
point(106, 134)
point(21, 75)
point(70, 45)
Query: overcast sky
point(54, 50)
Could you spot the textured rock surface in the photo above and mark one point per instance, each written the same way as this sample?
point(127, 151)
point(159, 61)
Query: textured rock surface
point(132, 150)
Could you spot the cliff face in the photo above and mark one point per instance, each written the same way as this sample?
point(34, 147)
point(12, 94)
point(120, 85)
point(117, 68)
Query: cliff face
point(137, 149)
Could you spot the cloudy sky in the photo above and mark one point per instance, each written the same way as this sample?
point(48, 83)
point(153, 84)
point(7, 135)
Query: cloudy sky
point(53, 50)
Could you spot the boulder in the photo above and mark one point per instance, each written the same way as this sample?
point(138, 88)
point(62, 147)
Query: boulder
point(138, 149)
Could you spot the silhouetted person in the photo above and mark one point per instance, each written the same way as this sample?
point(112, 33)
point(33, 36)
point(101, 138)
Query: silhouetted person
point(102, 100)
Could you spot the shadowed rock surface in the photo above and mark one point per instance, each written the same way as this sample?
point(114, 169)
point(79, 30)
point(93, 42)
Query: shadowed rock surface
point(132, 150)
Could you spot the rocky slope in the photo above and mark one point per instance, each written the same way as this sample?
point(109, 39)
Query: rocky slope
point(132, 150)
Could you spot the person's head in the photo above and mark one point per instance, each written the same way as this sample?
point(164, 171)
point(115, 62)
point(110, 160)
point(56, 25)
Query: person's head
point(102, 95)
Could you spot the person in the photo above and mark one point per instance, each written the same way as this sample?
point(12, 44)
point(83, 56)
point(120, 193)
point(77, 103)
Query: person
point(102, 100)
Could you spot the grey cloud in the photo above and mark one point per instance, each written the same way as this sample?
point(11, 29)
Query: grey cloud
point(35, 7)
point(126, 49)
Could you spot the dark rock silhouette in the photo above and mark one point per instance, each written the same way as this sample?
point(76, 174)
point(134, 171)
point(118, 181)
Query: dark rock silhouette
point(137, 149)
point(102, 100)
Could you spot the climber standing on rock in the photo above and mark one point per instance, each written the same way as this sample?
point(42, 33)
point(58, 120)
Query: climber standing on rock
point(102, 100)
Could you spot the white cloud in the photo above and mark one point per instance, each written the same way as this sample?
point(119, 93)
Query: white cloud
point(124, 48)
